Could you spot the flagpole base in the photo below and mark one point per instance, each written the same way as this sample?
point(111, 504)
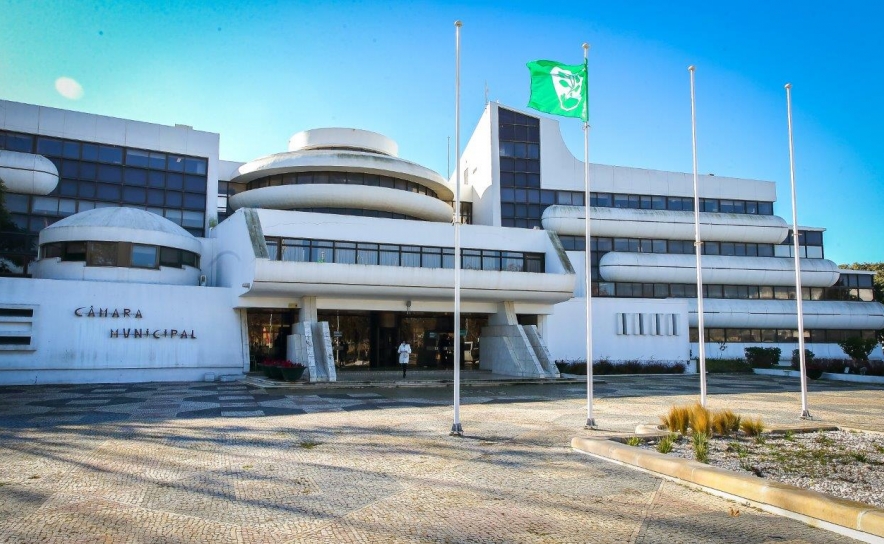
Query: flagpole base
point(456, 430)
point(590, 424)
point(806, 415)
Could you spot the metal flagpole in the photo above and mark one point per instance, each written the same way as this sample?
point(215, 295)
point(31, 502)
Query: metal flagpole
point(805, 414)
point(590, 420)
point(698, 246)
point(456, 429)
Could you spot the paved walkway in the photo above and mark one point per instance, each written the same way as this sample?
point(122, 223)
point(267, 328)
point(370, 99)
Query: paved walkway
point(231, 462)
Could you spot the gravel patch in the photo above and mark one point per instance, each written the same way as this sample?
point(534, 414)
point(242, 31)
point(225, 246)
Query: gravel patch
point(845, 464)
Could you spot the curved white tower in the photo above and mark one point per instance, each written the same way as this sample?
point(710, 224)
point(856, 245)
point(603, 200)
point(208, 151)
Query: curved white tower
point(343, 169)
point(118, 245)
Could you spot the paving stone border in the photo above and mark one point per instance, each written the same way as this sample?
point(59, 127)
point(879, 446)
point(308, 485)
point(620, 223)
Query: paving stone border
point(849, 518)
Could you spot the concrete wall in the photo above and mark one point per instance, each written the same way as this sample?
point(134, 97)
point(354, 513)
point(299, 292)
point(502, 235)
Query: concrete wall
point(71, 348)
point(483, 170)
point(565, 337)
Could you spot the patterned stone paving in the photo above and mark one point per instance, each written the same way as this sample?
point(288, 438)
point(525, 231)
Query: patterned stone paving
point(231, 462)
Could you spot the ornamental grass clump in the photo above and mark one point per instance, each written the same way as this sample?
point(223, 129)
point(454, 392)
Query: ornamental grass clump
point(725, 422)
point(752, 427)
point(633, 441)
point(701, 447)
point(701, 419)
point(665, 443)
point(678, 419)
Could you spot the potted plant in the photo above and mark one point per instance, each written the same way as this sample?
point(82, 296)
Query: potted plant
point(272, 369)
point(291, 371)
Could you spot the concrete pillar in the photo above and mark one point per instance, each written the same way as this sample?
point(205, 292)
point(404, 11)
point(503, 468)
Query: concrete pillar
point(308, 310)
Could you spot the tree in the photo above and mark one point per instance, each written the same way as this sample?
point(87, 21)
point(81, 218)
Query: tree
point(857, 348)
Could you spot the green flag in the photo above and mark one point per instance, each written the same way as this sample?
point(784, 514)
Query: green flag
point(559, 89)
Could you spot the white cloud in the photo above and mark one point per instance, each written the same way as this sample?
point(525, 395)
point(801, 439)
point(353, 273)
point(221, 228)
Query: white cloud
point(69, 88)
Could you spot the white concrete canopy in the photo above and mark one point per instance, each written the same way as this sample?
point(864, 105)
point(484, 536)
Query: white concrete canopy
point(666, 224)
point(717, 269)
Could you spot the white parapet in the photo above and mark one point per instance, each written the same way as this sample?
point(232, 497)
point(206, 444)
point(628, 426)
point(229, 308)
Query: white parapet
point(27, 173)
point(282, 278)
point(717, 269)
point(666, 224)
point(288, 197)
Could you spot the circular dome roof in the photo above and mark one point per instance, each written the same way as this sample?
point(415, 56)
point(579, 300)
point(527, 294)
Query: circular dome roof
point(126, 218)
point(120, 225)
point(343, 138)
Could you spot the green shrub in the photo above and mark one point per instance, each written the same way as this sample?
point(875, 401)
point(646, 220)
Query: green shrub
point(796, 358)
point(762, 357)
point(727, 366)
point(633, 441)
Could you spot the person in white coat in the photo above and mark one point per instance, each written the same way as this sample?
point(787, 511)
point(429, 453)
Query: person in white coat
point(404, 352)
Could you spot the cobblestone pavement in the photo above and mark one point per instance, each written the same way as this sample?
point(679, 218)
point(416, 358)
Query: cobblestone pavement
point(230, 462)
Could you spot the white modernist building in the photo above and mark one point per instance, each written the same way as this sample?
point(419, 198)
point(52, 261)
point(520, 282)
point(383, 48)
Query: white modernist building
point(135, 253)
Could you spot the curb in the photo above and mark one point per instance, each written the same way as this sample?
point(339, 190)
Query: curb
point(850, 518)
point(303, 384)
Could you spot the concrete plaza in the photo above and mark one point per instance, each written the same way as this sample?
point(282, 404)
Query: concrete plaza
point(234, 462)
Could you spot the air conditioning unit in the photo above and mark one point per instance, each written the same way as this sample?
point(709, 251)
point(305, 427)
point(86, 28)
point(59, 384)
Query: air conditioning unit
point(203, 280)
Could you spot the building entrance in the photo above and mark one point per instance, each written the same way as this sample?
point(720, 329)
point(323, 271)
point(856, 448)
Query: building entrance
point(370, 340)
point(268, 329)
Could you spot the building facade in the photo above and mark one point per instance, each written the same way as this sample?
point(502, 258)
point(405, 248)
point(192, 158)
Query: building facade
point(136, 254)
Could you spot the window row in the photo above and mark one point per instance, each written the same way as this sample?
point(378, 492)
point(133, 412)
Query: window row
point(340, 252)
point(109, 173)
point(359, 212)
point(192, 221)
point(679, 203)
point(820, 336)
point(805, 238)
point(715, 291)
point(517, 127)
point(341, 178)
point(684, 247)
point(120, 254)
point(546, 197)
point(108, 154)
point(117, 194)
point(519, 150)
point(854, 280)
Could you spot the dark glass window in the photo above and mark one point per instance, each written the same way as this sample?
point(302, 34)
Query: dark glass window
point(101, 254)
point(49, 147)
point(111, 155)
point(170, 257)
point(134, 176)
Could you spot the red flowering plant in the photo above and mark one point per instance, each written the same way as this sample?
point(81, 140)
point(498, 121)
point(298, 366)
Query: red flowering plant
point(282, 364)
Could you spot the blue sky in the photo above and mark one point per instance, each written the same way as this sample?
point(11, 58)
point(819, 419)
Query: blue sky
point(259, 73)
